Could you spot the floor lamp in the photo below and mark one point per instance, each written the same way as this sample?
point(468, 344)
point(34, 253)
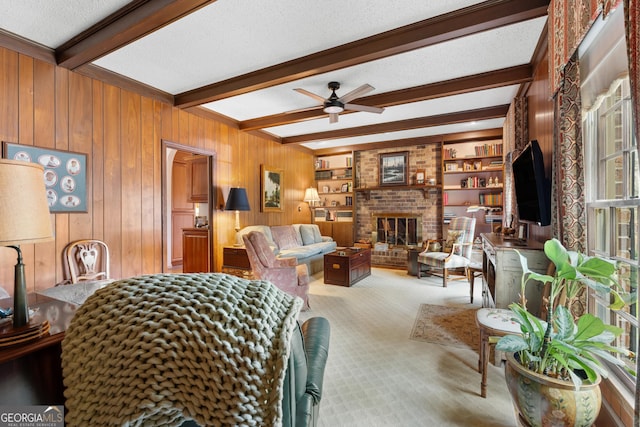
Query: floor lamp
point(237, 201)
point(24, 218)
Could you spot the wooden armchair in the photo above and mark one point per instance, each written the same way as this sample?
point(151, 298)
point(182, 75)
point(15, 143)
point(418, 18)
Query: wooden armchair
point(455, 254)
point(87, 260)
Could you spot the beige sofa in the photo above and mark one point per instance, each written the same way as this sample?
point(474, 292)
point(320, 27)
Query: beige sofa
point(301, 241)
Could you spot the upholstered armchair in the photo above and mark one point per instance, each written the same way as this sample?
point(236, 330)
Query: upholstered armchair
point(454, 254)
point(285, 273)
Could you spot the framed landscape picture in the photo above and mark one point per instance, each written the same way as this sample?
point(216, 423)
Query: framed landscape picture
point(271, 194)
point(394, 168)
point(65, 174)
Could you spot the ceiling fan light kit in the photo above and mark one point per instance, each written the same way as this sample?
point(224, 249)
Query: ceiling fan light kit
point(335, 105)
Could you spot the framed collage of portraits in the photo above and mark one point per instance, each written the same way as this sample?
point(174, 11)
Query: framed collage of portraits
point(65, 174)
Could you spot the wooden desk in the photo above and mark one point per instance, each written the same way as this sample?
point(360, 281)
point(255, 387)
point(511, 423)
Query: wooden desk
point(501, 271)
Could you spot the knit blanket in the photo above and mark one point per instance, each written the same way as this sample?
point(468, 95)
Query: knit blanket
point(160, 349)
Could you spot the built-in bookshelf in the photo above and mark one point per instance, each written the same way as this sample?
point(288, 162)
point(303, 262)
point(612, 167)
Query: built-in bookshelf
point(472, 183)
point(334, 212)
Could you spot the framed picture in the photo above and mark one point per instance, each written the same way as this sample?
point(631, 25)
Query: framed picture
point(271, 185)
point(65, 174)
point(344, 188)
point(393, 168)
point(420, 176)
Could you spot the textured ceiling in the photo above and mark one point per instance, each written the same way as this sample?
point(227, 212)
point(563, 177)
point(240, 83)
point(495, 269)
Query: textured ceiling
point(226, 39)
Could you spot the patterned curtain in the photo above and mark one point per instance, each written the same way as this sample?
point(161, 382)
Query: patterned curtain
point(568, 171)
point(632, 32)
point(569, 21)
point(515, 137)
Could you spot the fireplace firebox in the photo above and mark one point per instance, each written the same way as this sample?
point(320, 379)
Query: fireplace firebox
point(397, 229)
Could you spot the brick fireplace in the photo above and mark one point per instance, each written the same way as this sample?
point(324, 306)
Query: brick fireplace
point(381, 212)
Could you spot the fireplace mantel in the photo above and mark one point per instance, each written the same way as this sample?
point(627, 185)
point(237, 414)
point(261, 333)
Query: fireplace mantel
point(426, 189)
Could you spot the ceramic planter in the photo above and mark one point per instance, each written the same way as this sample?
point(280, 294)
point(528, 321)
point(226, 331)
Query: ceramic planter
point(545, 401)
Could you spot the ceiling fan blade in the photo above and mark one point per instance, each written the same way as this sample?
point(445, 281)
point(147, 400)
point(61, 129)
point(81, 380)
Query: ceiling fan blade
point(357, 92)
point(333, 118)
point(311, 94)
point(366, 108)
point(300, 110)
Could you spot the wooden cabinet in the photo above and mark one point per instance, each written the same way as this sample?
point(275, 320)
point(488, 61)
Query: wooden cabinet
point(341, 232)
point(335, 211)
point(198, 179)
point(501, 271)
point(472, 176)
point(196, 251)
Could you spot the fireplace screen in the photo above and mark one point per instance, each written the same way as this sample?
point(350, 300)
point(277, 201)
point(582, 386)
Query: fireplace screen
point(398, 230)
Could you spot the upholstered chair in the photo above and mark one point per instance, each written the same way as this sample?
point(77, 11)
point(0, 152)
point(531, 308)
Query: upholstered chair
point(285, 273)
point(454, 254)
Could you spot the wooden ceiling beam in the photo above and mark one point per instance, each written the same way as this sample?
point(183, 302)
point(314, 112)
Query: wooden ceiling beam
point(400, 125)
point(489, 80)
point(478, 135)
point(470, 20)
point(135, 20)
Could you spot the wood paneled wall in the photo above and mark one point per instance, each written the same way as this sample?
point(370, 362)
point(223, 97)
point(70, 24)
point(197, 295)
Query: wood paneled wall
point(121, 133)
point(540, 118)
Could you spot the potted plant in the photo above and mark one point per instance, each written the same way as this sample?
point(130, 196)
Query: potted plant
point(554, 367)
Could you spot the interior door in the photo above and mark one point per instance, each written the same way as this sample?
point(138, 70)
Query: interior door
point(182, 211)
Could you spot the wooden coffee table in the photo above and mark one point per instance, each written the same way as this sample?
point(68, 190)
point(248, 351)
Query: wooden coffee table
point(346, 266)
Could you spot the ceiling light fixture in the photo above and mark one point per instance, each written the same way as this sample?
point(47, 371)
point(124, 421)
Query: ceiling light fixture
point(333, 108)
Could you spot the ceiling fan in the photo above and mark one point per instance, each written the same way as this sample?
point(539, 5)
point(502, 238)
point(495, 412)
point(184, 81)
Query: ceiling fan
point(335, 105)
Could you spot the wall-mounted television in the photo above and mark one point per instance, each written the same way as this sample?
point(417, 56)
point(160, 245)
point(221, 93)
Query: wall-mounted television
point(533, 189)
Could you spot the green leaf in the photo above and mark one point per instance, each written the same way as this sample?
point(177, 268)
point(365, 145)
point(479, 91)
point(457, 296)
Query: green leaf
point(597, 267)
point(564, 323)
point(511, 343)
point(556, 252)
point(589, 326)
point(523, 262)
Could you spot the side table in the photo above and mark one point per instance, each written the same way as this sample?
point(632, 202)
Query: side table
point(412, 261)
point(235, 261)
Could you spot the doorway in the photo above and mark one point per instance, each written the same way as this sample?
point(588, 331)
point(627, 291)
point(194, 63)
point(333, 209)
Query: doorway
point(181, 208)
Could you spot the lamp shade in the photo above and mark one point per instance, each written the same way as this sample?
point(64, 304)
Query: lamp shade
point(311, 195)
point(237, 200)
point(24, 212)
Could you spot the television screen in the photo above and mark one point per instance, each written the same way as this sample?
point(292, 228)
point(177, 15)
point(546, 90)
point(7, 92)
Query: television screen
point(533, 190)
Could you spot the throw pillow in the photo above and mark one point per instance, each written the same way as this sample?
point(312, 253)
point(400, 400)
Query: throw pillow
point(285, 236)
point(453, 236)
point(317, 237)
point(306, 232)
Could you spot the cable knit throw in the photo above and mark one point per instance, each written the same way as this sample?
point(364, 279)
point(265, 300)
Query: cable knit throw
point(159, 349)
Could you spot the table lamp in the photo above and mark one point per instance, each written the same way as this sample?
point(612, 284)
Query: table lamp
point(311, 196)
point(237, 201)
point(24, 218)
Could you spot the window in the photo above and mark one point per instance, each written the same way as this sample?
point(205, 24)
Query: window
point(612, 178)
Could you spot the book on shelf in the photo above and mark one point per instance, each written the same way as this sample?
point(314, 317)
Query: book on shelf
point(484, 150)
point(491, 199)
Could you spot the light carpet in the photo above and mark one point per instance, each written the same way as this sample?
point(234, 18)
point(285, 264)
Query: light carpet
point(451, 326)
point(377, 376)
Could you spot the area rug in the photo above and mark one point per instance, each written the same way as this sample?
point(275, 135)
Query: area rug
point(449, 326)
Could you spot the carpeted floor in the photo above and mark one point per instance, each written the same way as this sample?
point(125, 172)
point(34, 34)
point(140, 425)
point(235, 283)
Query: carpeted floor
point(450, 326)
point(377, 376)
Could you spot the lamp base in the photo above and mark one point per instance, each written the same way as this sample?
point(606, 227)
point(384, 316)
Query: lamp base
point(10, 336)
